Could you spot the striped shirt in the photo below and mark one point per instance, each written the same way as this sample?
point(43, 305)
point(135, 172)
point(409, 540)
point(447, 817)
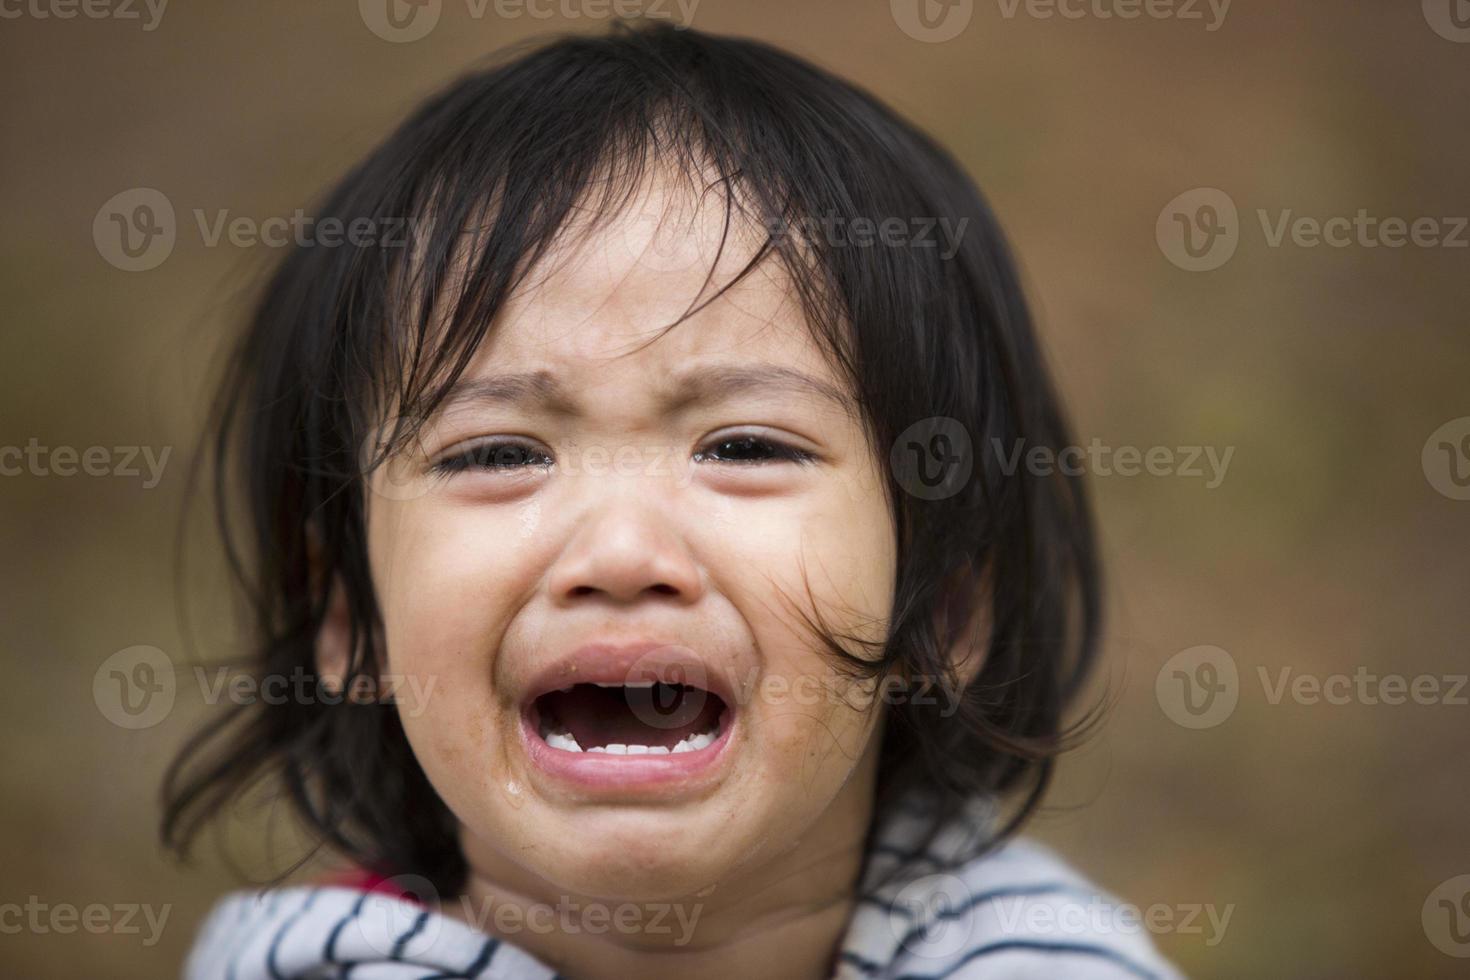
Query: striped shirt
point(1017, 913)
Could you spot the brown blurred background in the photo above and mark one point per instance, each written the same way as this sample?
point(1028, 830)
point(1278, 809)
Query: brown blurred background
point(1331, 546)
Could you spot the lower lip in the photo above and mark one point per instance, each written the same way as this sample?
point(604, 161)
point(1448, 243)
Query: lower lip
point(604, 773)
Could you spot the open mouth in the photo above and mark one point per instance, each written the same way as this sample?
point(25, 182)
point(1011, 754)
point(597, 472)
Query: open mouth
point(636, 718)
point(632, 722)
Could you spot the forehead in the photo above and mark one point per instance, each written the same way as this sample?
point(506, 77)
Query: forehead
point(597, 306)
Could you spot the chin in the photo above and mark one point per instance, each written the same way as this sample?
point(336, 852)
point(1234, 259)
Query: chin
point(643, 854)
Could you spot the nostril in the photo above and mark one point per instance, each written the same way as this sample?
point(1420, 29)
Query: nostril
point(586, 590)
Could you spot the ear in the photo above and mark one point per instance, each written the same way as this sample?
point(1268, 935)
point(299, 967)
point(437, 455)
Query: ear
point(333, 640)
point(963, 620)
point(333, 649)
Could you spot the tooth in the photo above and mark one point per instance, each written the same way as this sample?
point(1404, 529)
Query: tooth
point(637, 750)
point(639, 684)
point(565, 742)
point(617, 748)
point(658, 750)
point(693, 743)
point(598, 748)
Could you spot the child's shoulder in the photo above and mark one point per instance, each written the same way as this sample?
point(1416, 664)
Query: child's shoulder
point(363, 927)
point(1015, 911)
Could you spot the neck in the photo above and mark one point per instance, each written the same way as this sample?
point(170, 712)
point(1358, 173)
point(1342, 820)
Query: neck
point(798, 944)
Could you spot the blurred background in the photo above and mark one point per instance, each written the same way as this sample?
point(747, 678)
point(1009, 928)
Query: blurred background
point(1153, 172)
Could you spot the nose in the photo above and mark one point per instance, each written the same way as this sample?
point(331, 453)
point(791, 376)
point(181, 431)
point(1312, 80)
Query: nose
point(625, 552)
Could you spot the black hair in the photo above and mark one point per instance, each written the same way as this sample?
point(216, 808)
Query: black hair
point(344, 336)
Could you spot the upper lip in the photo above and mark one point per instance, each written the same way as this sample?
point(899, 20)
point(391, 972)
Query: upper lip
point(633, 662)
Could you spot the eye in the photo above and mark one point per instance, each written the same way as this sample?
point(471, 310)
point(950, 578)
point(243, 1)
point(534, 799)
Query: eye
point(752, 450)
point(497, 456)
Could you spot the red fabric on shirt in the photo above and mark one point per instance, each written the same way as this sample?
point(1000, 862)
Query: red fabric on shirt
point(363, 880)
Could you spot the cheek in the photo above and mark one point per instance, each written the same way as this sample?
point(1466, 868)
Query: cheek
point(834, 559)
point(447, 587)
point(810, 739)
point(832, 553)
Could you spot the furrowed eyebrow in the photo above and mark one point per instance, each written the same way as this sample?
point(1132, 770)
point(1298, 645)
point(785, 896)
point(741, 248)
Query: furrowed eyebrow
point(533, 386)
point(701, 385)
point(719, 382)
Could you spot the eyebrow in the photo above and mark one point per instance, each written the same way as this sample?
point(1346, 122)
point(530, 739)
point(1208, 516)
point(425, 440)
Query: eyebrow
point(709, 384)
point(718, 382)
point(533, 386)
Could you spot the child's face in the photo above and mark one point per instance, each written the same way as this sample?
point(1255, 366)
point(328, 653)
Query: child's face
point(646, 535)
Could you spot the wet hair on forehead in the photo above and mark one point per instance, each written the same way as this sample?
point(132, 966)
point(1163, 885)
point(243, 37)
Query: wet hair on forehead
point(625, 213)
point(480, 234)
point(471, 193)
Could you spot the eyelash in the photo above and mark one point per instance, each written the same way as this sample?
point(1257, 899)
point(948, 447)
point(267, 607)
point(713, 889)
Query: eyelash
point(488, 455)
point(781, 452)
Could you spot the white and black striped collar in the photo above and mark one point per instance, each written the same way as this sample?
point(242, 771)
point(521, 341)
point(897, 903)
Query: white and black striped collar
point(920, 916)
